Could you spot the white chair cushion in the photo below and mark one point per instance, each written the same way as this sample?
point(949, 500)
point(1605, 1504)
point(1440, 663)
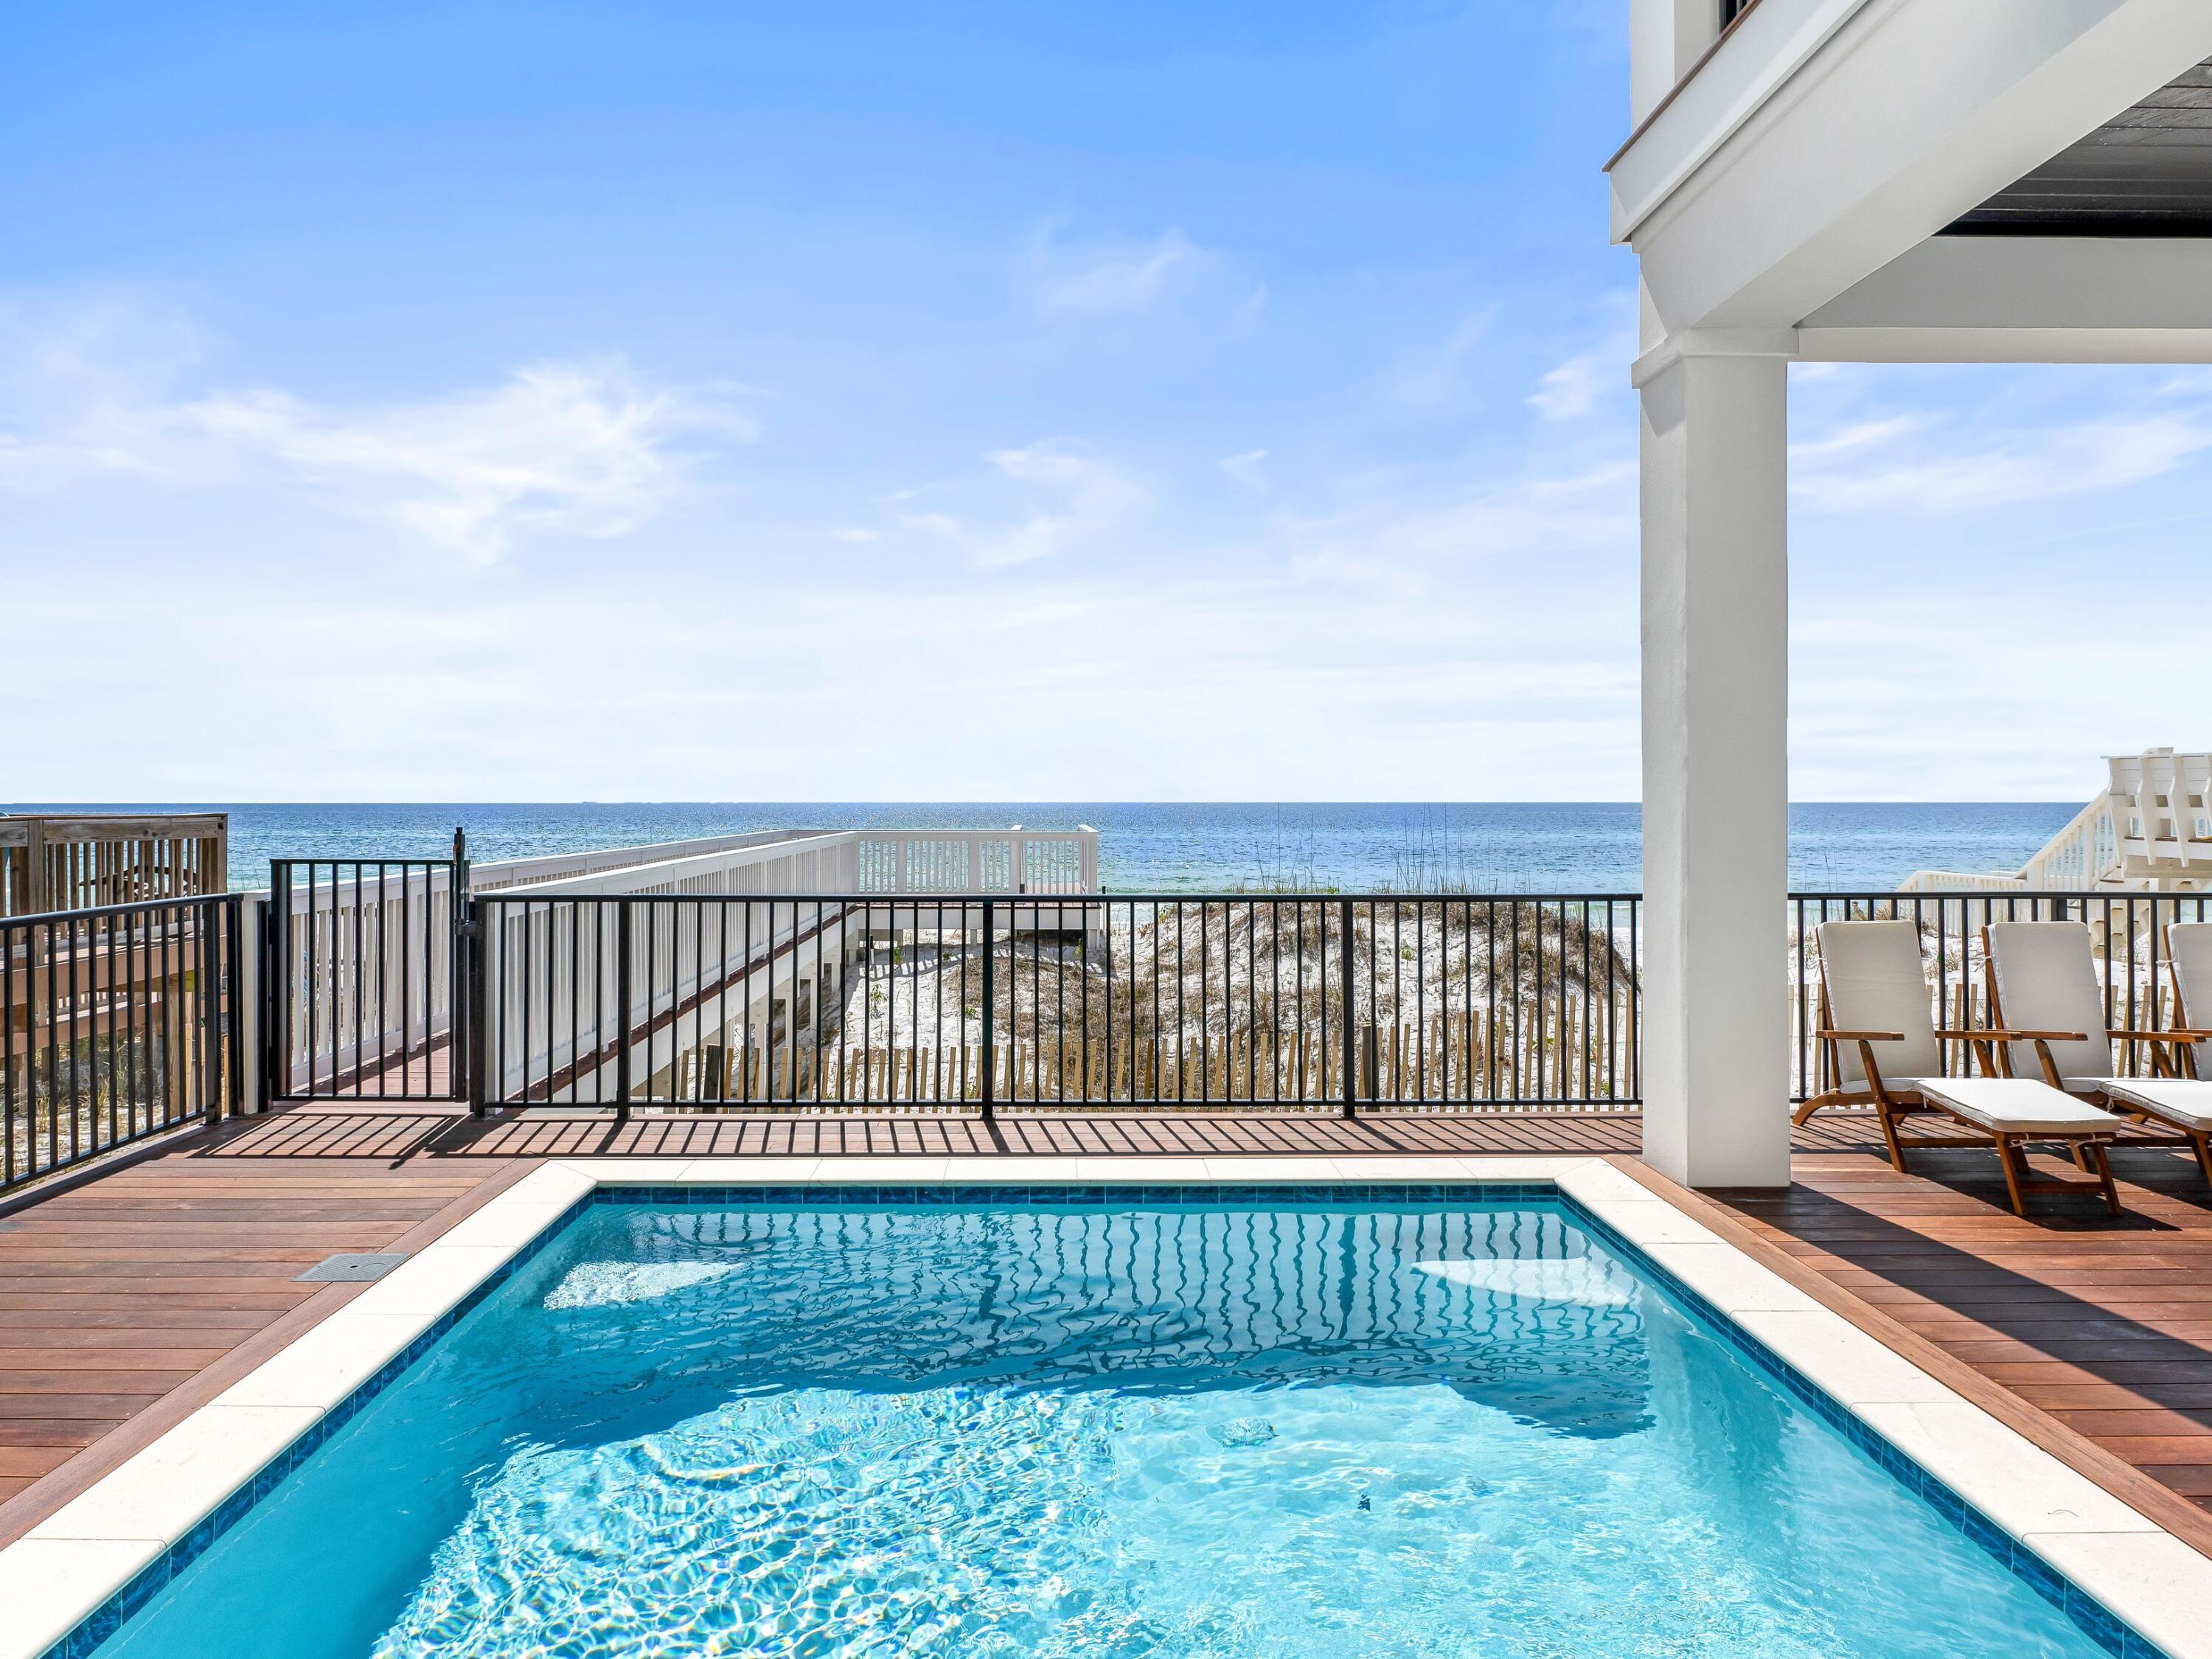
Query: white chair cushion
point(1876, 982)
point(2047, 982)
point(2185, 1101)
point(2009, 1105)
point(2191, 945)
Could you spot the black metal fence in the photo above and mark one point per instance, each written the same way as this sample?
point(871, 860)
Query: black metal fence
point(116, 1023)
point(384, 980)
point(2127, 933)
point(1291, 1003)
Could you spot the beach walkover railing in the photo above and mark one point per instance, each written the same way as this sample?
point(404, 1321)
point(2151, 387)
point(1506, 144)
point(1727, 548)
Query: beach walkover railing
point(121, 989)
point(362, 956)
point(2149, 830)
point(1002, 861)
point(117, 1022)
point(73, 861)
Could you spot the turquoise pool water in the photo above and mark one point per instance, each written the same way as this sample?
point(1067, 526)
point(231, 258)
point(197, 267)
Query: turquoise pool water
point(1288, 1428)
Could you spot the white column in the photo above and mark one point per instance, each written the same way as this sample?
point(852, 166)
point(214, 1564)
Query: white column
point(1715, 773)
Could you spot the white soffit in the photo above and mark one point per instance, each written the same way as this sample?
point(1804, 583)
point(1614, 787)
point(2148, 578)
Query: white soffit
point(1835, 135)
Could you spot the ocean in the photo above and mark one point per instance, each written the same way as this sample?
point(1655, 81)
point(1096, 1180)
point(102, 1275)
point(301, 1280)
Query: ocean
point(1155, 846)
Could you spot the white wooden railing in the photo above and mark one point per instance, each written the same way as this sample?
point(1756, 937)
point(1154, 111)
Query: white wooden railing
point(976, 862)
point(506, 874)
point(393, 996)
point(551, 1024)
point(2151, 829)
point(369, 968)
point(2161, 807)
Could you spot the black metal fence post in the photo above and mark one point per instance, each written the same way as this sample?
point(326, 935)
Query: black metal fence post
point(1351, 1025)
point(463, 1084)
point(276, 987)
point(224, 1038)
point(990, 1059)
point(473, 954)
point(621, 1012)
point(233, 1016)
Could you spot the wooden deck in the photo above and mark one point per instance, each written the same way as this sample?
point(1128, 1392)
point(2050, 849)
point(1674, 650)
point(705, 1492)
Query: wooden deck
point(129, 1300)
point(2101, 1325)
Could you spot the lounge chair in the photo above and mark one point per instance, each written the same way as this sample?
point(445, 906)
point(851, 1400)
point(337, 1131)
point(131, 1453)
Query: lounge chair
point(2189, 961)
point(2046, 973)
point(1874, 997)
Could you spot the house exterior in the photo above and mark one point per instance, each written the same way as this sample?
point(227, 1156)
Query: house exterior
point(1847, 181)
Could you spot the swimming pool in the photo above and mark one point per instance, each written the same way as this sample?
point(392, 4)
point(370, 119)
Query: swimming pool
point(1055, 1421)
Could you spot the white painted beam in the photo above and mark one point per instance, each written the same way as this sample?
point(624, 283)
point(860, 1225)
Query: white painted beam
point(2019, 298)
point(1994, 345)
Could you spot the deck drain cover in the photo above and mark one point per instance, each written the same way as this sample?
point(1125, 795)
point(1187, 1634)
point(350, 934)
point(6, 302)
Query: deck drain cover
point(353, 1269)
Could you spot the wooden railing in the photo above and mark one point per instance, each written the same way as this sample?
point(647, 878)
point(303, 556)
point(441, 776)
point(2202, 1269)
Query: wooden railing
point(81, 862)
point(116, 1023)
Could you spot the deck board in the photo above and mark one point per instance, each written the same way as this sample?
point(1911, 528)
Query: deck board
point(2104, 1324)
point(126, 1301)
point(121, 1299)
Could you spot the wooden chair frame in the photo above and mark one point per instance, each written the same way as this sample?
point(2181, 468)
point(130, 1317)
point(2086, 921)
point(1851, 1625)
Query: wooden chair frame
point(1891, 1104)
point(2173, 1054)
point(2163, 1064)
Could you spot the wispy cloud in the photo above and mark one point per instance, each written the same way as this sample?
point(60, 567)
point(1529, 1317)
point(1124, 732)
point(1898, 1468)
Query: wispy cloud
point(1416, 535)
point(1066, 278)
point(1248, 470)
point(1954, 533)
point(1035, 504)
point(1869, 467)
point(1589, 378)
point(1575, 387)
point(1853, 438)
point(1090, 496)
point(1439, 374)
point(578, 448)
point(115, 345)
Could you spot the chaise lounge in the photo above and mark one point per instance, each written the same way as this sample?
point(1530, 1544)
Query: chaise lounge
point(2044, 973)
point(1874, 1000)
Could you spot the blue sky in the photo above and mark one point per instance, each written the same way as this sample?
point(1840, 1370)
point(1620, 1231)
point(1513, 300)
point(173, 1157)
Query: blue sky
point(483, 401)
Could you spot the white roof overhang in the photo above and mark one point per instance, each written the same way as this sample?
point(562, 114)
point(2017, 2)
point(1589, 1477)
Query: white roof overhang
point(1825, 139)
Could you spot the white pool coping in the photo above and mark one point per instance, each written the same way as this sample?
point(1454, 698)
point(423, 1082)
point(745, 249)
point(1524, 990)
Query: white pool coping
point(64, 1568)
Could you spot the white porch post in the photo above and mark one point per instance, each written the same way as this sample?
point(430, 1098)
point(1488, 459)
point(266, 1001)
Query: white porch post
point(1716, 776)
